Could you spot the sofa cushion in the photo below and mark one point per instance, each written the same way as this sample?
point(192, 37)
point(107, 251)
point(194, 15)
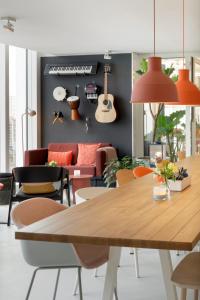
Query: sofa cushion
point(63, 147)
point(86, 170)
point(87, 154)
point(61, 158)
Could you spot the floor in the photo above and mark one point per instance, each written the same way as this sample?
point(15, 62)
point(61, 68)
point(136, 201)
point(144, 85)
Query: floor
point(15, 276)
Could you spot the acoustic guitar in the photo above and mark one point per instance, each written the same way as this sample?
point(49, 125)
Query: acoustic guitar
point(106, 112)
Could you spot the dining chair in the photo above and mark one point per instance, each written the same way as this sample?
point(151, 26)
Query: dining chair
point(187, 275)
point(141, 171)
point(50, 255)
point(33, 176)
point(124, 176)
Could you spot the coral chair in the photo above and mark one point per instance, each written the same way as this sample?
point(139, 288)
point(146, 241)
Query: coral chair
point(50, 255)
point(124, 176)
point(187, 275)
point(141, 171)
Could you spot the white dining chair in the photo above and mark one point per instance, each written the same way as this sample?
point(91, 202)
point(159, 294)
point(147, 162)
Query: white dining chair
point(52, 255)
point(187, 275)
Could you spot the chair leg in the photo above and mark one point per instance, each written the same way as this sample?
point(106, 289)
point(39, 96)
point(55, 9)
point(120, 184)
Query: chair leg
point(183, 294)
point(137, 273)
point(75, 286)
point(56, 286)
point(80, 283)
point(196, 295)
point(9, 211)
point(68, 195)
point(96, 273)
point(115, 293)
point(31, 284)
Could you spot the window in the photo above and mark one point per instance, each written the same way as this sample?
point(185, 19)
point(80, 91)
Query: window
point(18, 92)
point(17, 104)
point(176, 63)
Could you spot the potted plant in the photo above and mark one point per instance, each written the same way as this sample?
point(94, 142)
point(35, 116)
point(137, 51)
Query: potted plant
point(167, 129)
point(159, 107)
point(126, 162)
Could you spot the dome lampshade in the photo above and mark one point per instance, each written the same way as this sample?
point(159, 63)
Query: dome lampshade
point(188, 93)
point(154, 86)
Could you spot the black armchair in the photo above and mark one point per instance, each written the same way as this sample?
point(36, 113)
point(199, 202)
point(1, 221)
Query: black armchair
point(38, 174)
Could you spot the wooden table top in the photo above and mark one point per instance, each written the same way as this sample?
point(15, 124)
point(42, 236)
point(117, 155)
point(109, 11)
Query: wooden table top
point(128, 216)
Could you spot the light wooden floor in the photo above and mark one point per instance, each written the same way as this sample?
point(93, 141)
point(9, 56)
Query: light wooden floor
point(15, 276)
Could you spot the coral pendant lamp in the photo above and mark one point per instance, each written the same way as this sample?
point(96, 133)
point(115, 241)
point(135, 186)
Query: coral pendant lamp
point(154, 86)
point(188, 93)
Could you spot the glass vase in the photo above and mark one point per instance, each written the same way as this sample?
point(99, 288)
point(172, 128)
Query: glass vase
point(161, 192)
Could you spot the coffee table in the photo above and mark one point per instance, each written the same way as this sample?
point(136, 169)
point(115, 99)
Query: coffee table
point(88, 193)
point(79, 182)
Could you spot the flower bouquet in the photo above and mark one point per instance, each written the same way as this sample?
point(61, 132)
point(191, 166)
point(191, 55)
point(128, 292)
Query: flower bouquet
point(176, 178)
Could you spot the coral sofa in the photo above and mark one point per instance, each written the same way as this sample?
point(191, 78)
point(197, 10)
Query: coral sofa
point(40, 157)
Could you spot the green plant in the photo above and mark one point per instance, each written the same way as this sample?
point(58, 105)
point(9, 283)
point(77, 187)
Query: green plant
point(155, 114)
point(52, 163)
point(167, 128)
point(126, 162)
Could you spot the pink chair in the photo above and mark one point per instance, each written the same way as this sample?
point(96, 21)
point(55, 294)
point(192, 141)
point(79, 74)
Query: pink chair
point(50, 255)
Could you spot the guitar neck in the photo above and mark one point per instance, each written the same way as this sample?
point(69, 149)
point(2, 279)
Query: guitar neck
point(105, 83)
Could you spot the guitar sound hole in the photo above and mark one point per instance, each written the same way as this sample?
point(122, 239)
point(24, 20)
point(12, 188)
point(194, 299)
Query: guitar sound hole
point(105, 102)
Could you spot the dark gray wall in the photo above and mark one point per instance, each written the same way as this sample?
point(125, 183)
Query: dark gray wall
point(118, 133)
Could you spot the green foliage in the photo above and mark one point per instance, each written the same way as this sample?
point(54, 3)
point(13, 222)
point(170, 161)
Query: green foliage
point(167, 127)
point(167, 71)
point(113, 166)
point(143, 67)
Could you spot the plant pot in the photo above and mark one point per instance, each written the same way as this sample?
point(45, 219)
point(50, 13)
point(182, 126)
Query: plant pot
point(179, 185)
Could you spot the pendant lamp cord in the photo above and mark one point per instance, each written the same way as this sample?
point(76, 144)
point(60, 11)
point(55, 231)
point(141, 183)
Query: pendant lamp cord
point(183, 34)
point(154, 27)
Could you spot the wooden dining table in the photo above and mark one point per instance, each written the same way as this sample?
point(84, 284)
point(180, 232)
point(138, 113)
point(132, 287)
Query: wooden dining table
point(129, 217)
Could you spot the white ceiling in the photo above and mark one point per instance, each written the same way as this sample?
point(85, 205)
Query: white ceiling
point(93, 26)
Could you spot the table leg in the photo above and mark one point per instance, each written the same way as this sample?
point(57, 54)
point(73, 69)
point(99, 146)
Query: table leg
point(166, 265)
point(111, 273)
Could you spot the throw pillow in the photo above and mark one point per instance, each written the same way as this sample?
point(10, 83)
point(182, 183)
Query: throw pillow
point(61, 158)
point(87, 154)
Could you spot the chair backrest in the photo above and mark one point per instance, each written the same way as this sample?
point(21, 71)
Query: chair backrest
point(141, 171)
point(33, 210)
point(37, 174)
point(124, 176)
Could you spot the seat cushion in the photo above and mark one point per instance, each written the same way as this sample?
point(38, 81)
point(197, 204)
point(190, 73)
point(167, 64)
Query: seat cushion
point(84, 170)
point(38, 188)
point(87, 154)
point(22, 196)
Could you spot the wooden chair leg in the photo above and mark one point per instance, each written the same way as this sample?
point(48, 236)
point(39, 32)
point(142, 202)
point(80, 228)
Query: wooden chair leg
point(196, 295)
point(183, 294)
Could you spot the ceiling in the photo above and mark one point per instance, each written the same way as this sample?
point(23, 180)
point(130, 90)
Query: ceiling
point(93, 26)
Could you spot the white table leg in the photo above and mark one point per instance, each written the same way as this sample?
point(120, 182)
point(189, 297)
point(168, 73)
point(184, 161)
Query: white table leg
point(166, 264)
point(111, 273)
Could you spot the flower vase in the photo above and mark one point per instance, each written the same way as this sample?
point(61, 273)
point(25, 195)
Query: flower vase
point(161, 192)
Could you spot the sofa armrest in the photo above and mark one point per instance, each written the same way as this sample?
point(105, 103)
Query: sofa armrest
point(36, 157)
point(100, 162)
